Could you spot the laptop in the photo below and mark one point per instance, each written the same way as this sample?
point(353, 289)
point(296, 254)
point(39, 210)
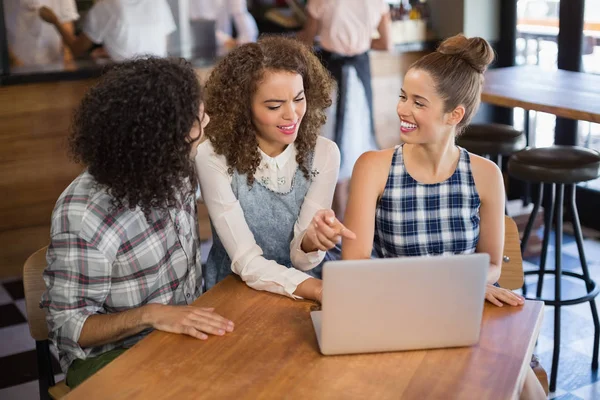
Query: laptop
point(404, 303)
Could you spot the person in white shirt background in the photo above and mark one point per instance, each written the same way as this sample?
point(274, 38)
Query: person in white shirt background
point(345, 29)
point(226, 14)
point(266, 174)
point(30, 40)
point(125, 28)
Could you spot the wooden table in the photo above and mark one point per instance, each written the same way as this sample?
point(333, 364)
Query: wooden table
point(273, 353)
point(567, 94)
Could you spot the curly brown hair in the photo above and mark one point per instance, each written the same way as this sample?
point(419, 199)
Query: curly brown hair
point(132, 129)
point(232, 85)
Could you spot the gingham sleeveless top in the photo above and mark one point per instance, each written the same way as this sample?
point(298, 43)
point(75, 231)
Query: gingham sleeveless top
point(416, 219)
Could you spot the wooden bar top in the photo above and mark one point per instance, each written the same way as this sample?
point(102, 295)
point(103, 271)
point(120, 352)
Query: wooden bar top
point(567, 94)
point(273, 353)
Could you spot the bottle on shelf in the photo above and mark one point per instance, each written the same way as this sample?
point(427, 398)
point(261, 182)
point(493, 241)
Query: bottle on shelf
point(415, 12)
point(424, 9)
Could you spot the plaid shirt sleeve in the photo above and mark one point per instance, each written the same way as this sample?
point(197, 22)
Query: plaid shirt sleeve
point(78, 279)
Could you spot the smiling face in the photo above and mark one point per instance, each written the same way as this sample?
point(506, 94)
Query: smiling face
point(278, 107)
point(423, 119)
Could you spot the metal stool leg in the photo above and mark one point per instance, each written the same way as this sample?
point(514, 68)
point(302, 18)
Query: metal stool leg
point(557, 284)
point(547, 230)
point(46, 376)
point(586, 274)
point(529, 226)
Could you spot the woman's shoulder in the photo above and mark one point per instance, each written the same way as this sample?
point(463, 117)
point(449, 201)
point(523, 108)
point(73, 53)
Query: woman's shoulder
point(326, 149)
point(482, 166)
point(326, 145)
point(486, 174)
point(375, 162)
point(377, 157)
point(371, 171)
point(205, 148)
point(206, 155)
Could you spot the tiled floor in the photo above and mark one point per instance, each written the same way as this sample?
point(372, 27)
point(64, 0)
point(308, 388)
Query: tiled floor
point(18, 365)
point(576, 380)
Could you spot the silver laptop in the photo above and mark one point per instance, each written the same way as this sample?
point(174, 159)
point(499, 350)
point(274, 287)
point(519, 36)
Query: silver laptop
point(401, 303)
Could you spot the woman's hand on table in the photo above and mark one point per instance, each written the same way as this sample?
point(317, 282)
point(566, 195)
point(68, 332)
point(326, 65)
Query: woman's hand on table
point(324, 231)
point(311, 289)
point(193, 321)
point(319, 292)
point(499, 296)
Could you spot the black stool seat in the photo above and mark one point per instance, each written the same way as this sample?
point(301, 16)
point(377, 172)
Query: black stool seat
point(555, 164)
point(559, 168)
point(491, 139)
point(494, 141)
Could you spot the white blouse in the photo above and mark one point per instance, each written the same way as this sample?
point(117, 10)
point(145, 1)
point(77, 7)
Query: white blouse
point(227, 216)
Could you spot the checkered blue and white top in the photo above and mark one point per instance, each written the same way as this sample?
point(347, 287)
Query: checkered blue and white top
point(416, 219)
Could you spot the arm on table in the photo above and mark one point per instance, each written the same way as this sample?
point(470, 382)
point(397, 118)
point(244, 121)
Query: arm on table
point(78, 280)
point(490, 186)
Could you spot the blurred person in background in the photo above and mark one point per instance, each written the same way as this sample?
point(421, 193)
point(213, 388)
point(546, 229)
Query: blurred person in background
point(125, 28)
point(30, 40)
point(346, 29)
point(227, 14)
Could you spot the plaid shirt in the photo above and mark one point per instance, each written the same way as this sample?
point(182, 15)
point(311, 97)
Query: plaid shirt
point(416, 219)
point(103, 261)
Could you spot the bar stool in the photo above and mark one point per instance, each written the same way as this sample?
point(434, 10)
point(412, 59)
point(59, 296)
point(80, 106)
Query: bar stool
point(559, 166)
point(494, 141)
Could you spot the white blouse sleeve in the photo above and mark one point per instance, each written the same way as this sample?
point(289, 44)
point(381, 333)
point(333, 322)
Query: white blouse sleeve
point(227, 217)
point(319, 197)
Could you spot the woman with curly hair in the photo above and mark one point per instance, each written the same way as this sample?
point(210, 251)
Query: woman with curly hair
point(266, 174)
point(124, 255)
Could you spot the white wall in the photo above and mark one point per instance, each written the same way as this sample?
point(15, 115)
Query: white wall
point(482, 18)
point(471, 17)
point(447, 17)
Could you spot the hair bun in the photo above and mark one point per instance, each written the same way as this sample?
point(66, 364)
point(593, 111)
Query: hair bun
point(475, 51)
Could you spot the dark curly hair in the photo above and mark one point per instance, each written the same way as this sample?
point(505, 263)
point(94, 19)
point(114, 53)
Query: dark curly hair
point(233, 83)
point(131, 131)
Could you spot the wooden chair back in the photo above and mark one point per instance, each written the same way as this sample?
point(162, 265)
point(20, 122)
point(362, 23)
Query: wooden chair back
point(512, 262)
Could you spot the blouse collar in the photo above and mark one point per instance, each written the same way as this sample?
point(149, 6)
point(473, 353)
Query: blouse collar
point(277, 162)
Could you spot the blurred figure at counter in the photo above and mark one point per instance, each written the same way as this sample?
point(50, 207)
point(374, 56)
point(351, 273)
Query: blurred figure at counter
point(278, 16)
point(227, 14)
point(125, 28)
point(30, 40)
point(346, 30)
